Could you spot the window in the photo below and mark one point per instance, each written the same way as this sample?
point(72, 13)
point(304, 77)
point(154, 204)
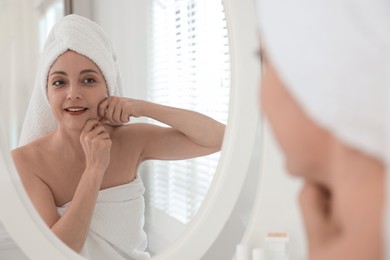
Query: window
point(52, 11)
point(189, 67)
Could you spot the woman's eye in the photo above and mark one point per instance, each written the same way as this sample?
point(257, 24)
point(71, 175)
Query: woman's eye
point(58, 83)
point(89, 81)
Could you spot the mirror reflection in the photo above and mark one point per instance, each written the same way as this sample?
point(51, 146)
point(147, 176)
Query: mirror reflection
point(87, 132)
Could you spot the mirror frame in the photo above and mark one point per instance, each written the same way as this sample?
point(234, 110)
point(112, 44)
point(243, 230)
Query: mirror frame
point(30, 232)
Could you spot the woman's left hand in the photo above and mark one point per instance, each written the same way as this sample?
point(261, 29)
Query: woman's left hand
point(118, 110)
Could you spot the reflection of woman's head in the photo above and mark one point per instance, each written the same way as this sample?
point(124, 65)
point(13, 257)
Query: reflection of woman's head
point(75, 87)
point(78, 35)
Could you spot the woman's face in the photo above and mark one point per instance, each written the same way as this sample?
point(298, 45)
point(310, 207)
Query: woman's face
point(304, 144)
point(75, 87)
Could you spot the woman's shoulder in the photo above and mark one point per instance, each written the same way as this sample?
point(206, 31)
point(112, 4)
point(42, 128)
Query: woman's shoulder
point(33, 146)
point(29, 154)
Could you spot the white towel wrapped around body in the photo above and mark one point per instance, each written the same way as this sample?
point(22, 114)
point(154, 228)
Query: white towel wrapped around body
point(116, 230)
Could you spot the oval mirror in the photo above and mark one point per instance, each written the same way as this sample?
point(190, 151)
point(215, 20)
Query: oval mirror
point(205, 223)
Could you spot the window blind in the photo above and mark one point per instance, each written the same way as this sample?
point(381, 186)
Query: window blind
point(189, 67)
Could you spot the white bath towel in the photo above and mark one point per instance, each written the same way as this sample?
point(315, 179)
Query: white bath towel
point(76, 33)
point(334, 57)
point(116, 231)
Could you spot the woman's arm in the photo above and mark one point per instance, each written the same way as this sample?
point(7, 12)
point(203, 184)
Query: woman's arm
point(191, 134)
point(72, 228)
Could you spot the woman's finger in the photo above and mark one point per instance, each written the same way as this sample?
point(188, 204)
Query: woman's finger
point(117, 114)
point(99, 129)
point(109, 111)
point(124, 117)
point(102, 107)
point(90, 125)
point(105, 135)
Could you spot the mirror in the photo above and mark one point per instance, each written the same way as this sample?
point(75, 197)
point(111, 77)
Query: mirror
point(226, 186)
point(196, 57)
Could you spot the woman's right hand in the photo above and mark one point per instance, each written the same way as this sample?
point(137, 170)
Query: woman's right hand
point(96, 144)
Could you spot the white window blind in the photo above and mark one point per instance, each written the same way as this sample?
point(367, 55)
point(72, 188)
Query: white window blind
point(189, 67)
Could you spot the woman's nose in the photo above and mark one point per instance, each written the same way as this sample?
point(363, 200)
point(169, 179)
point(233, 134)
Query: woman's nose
point(74, 91)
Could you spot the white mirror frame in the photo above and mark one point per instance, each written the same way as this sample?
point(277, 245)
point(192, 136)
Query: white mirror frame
point(38, 242)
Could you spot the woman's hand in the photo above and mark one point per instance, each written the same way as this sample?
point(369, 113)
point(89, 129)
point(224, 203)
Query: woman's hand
point(189, 134)
point(96, 144)
point(118, 110)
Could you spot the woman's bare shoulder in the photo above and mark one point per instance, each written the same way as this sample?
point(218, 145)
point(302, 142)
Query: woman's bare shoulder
point(29, 155)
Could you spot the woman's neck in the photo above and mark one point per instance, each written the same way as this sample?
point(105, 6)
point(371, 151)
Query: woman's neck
point(68, 142)
point(350, 164)
point(355, 179)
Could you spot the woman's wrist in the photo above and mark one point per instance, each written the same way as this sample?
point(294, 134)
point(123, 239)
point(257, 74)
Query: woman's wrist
point(140, 108)
point(94, 170)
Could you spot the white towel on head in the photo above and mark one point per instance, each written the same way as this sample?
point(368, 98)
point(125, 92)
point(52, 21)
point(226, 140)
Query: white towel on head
point(334, 57)
point(76, 33)
point(116, 230)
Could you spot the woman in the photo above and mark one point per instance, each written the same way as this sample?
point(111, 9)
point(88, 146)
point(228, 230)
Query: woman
point(325, 92)
point(80, 161)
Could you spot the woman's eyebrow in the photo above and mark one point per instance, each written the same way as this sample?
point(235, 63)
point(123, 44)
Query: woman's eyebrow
point(88, 71)
point(58, 72)
point(81, 72)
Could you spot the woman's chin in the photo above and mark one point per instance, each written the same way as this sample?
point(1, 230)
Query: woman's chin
point(293, 170)
point(75, 126)
point(308, 172)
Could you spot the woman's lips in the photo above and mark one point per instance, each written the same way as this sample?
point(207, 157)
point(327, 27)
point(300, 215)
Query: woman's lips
point(75, 111)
